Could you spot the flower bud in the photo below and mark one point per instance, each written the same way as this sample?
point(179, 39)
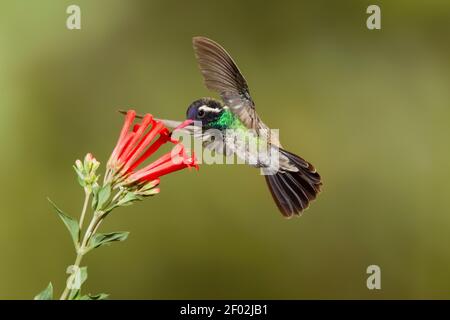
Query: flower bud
point(86, 172)
point(150, 192)
point(79, 165)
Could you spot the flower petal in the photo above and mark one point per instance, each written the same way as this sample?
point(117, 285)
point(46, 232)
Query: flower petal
point(129, 118)
point(156, 128)
point(138, 134)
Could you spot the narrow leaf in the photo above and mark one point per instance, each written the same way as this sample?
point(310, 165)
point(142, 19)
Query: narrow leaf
point(95, 191)
point(46, 294)
point(100, 296)
point(71, 223)
point(103, 196)
point(128, 199)
point(100, 239)
point(74, 295)
point(83, 275)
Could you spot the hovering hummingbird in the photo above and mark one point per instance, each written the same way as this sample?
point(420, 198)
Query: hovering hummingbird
point(296, 182)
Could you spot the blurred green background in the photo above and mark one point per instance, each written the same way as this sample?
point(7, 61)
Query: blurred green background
point(370, 109)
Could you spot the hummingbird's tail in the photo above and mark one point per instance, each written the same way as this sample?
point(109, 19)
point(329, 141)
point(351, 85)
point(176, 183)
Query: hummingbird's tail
point(294, 190)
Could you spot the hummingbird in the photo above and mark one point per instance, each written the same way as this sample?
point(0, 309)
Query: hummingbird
point(295, 182)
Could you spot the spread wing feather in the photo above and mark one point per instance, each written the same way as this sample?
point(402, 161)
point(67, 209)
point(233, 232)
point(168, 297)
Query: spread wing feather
point(222, 75)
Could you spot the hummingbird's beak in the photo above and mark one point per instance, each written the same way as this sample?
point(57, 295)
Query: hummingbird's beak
point(173, 124)
point(185, 125)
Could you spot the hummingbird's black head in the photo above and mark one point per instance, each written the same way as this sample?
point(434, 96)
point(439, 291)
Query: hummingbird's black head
point(206, 110)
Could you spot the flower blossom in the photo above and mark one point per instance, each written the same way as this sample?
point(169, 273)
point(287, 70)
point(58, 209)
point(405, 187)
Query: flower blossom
point(136, 144)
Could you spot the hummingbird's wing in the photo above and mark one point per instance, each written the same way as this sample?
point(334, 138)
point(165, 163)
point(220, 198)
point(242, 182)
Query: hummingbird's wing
point(222, 75)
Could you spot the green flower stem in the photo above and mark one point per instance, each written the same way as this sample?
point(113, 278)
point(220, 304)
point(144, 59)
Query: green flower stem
point(93, 226)
point(95, 222)
point(117, 196)
point(76, 265)
point(87, 195)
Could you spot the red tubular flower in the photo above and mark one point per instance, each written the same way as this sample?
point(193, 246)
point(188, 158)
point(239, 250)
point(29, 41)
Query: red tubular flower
point(135, 146)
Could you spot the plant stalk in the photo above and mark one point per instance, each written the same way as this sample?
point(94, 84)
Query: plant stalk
point(93, 225)
point(87, 195)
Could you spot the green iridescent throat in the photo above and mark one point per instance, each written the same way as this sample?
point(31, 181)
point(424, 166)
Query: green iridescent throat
point(227, 120)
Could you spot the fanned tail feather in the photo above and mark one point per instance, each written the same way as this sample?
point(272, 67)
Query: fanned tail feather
point(293, 191)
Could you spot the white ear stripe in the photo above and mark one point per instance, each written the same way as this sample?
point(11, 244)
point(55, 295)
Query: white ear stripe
point(209, 109)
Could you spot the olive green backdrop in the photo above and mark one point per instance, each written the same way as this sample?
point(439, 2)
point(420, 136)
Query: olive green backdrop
point(370, 109)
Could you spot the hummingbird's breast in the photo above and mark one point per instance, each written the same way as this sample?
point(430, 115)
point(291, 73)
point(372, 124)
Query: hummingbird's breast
point(251, 148)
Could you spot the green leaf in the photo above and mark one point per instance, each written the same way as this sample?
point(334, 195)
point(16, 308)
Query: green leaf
point(80, 176)
point(128, 199)
point(46, 294)
point(74, 295)
point(71, 223)
point(100, 239)
point(83, 275)
point(100, 296)
point(103, 196)
point(95, 190)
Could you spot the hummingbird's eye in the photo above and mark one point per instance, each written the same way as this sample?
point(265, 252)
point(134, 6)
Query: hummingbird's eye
point(201, 113)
